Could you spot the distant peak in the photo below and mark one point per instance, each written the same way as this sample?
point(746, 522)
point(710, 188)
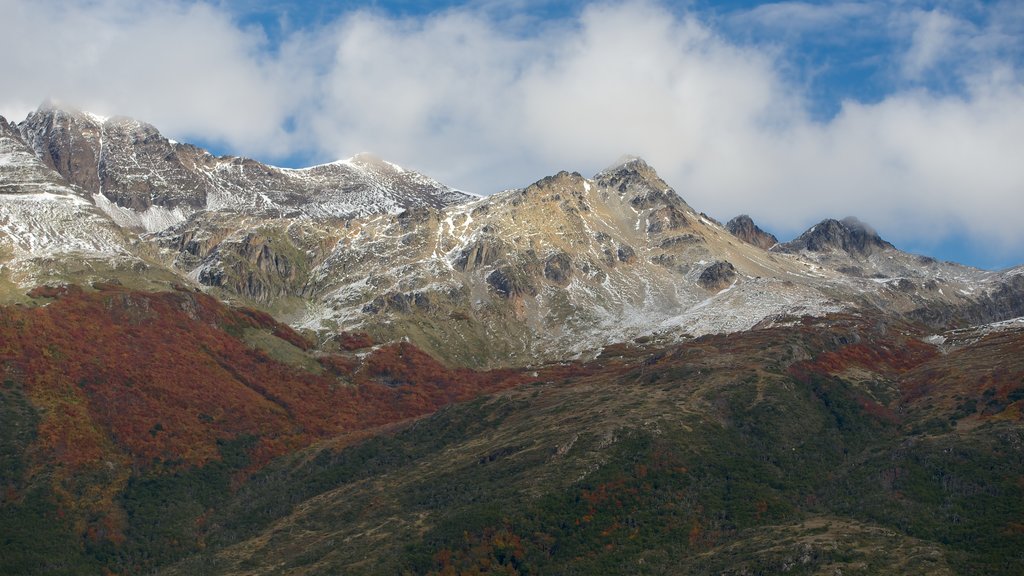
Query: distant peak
point(53, 107)
point(368, 160)
point(637, 182)
point(850, 235)
point(626, 161)
point(563, 178)
point(7, 127)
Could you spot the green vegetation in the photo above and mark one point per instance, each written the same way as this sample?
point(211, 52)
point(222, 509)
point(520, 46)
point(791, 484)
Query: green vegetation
point(35, 537)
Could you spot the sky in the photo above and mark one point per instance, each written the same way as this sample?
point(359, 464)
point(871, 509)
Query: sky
point(907, 114)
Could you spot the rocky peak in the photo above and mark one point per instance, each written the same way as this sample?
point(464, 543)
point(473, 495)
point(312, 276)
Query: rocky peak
point(21, 171)
point(558, 183)
point(127, 161)
point(66, 140)
point(139, 168)
point(8, 129)
point(849, 235)
point(743, 227)
point(638, 183)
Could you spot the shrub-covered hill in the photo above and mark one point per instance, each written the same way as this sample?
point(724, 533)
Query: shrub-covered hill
point(126, 417)
point(166, 433)
point(845, 445)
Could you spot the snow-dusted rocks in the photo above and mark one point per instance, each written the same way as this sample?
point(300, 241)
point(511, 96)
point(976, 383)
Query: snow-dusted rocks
point(44, 220)
point(149, 183)
point(557, 269)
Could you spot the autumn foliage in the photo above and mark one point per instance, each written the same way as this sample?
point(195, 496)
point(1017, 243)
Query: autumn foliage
point(141, 381)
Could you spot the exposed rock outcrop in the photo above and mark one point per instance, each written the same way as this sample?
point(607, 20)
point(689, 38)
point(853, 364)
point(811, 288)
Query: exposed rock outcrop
point(717, 275)
point(743, 227)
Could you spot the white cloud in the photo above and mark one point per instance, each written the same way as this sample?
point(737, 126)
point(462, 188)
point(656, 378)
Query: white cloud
point(805, 17)
point(935, 36)
point(184, 67)
point(484, 106)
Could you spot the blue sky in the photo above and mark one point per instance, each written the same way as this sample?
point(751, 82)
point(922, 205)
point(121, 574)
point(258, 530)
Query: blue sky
point(907, 114)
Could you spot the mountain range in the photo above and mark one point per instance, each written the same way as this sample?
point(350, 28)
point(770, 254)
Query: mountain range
point(213, 365)
point(363, 244)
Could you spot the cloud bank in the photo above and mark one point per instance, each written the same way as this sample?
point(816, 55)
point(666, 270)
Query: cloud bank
point(486, 103)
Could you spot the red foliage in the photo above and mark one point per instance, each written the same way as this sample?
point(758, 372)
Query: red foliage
point(338, 365)
point(989, 371)
point(889, 359)
point(144, 379)
point(411, 381)
point(352, 341)
point(163, 376)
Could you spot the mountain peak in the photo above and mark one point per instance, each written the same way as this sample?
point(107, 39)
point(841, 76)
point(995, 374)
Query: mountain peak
point(632, 177)
point(850, 235)
point(8, 128)
point(744, 228)
point(55, 109)
point(368, 160)
point(626, 161)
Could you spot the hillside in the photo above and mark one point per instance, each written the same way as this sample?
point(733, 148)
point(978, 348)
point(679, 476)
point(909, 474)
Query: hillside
point(229, 446)
point(108, 392)
point(805, 449)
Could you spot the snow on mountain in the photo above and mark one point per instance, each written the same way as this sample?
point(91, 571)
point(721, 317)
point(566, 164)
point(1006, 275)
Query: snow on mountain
point(558, 269)
point(151, 183)
point(564, 267)
point(570, 264)
point(43, 218)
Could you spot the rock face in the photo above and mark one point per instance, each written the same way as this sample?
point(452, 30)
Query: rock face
point(717, 276)
point(127, 161)
point(743, 227)
point(146, 182)
point(51, 232)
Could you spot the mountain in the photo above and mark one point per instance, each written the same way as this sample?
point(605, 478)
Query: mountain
point(146, 182)
point(48, 225)
point(362, 244)
point(209, 365)
point(848, 235)
point(606, 259)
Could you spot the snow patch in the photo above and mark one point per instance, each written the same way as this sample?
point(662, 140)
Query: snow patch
point(96, 118)
point(153, 219)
